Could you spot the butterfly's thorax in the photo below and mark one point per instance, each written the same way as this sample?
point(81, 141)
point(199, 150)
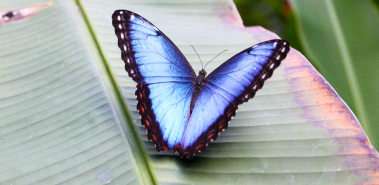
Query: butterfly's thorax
point(200, 79)
point(198, 84)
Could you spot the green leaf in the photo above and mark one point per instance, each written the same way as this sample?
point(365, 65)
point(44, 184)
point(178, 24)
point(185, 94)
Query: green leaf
point(67, 106)
point(342, 38)
point(59, 122)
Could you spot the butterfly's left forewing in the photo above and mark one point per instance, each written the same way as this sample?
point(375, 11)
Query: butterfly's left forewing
point(234, 82)
point(164, 78)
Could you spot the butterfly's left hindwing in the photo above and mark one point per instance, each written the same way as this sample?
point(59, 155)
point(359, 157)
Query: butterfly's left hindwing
point(163, 75)
point(234, 82)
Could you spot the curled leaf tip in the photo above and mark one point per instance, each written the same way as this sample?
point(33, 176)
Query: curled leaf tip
point(9, 16)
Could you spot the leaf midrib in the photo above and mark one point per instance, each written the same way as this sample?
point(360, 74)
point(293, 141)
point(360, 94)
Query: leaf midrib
point(141, 158)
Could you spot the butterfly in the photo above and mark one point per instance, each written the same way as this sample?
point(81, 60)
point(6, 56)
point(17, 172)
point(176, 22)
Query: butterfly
point(182, 111)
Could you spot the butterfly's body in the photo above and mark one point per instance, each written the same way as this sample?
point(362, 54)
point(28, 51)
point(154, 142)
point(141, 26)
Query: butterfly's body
point(198, 86)
point(180, 111)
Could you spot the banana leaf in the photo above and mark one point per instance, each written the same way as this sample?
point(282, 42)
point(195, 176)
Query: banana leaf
point(68, 116)
point(342, 38)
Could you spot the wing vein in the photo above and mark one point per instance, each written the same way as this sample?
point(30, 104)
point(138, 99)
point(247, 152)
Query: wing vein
point(215, 91)
point(220, 88)
point(141, 26)
point(167, 60)
point(237, 69)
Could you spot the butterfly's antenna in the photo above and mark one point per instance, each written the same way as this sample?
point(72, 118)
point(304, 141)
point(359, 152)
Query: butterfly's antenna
point(215, 57)
point(198, 56)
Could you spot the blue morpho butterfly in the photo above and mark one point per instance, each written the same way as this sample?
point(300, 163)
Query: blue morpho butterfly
point(183, 112)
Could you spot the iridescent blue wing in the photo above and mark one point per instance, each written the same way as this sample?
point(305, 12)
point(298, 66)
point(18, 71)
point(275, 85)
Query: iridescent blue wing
point(164, 78)
point(233, 83)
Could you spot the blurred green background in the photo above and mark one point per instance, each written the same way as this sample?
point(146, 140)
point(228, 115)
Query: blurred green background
point(274, 15)
point(341, 40)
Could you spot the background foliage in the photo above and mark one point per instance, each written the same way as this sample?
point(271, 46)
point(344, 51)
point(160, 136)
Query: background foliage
point(274, 15)
point(338, 37)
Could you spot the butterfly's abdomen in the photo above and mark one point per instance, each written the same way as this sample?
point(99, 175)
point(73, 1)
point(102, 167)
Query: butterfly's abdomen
point(195, 96)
